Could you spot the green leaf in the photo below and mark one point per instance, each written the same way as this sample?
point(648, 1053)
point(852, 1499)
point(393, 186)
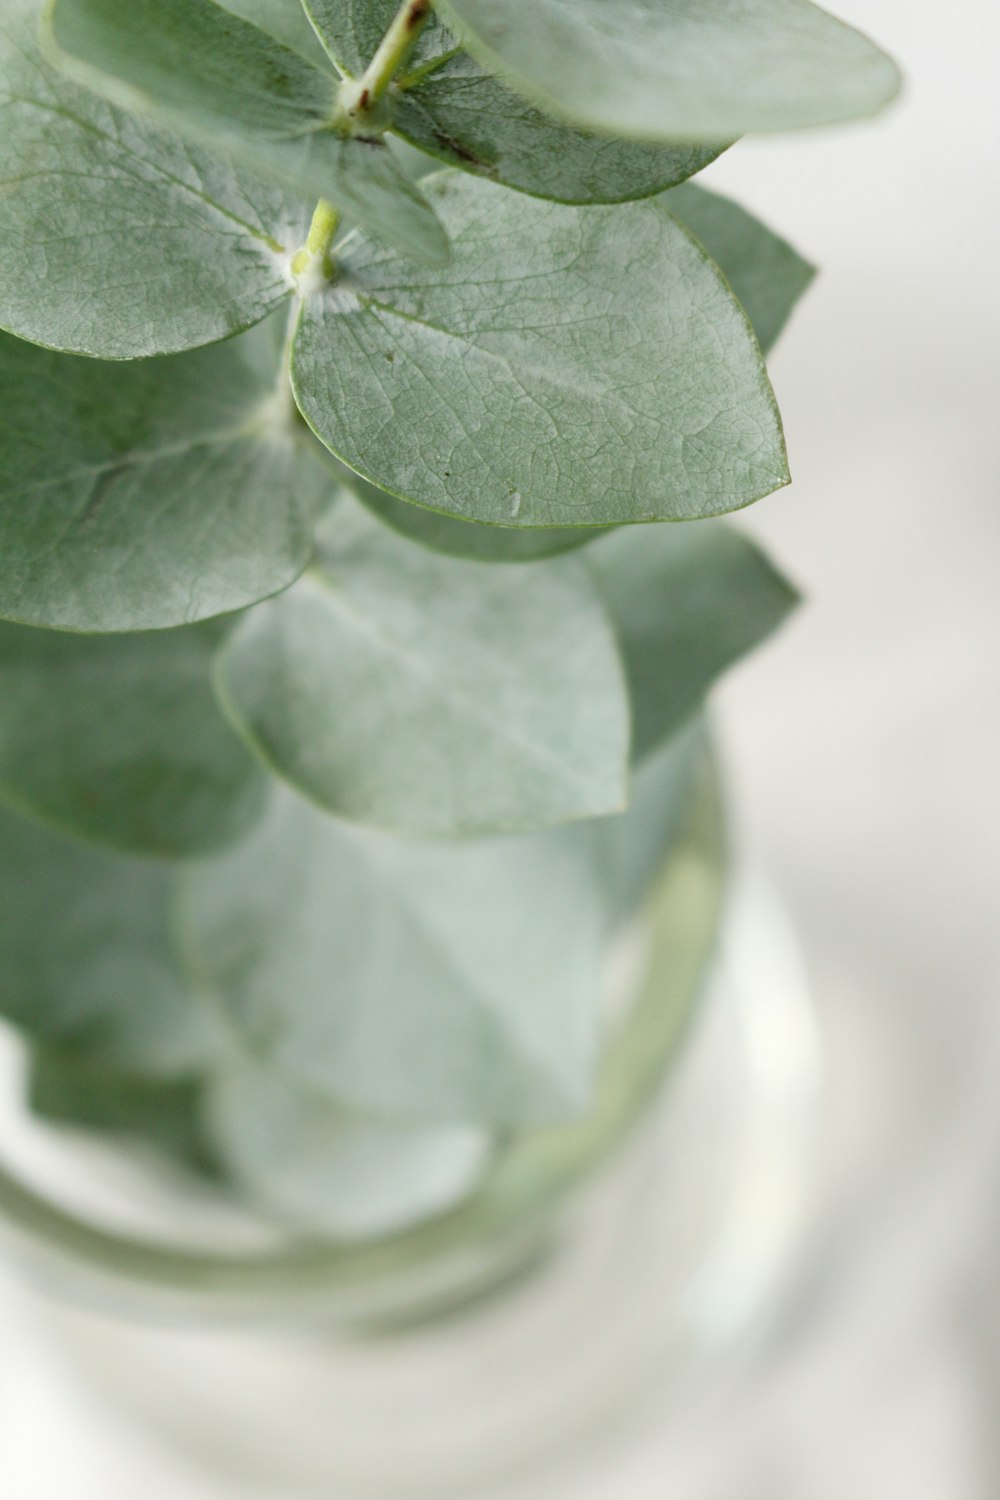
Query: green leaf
point(429, 696)
point(430, 982)
point(193, 60)
point(148, 495)
point(766, 274)
point(86, 959)
point(469, 539)
point(568, 367)
point(634, 846)
point(688, 602)
point(118, 739)
point(119, 240)
point(768, 277)
point(284, 19)
point(447, 104)
point(223, 83)
point(363, 179)
point(678, 69)
point(325, 1169)
point(165, 1114)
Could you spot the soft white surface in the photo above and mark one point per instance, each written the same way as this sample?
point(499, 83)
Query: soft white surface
point(863, 751)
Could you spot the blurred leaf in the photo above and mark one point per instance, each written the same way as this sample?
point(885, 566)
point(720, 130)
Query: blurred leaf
point(432, 982)
point(86, 959)
point(678, 69)
point(221, 82)
point(325, 1169)
point(118, 739)
point(119, 240)
point(688, 601)
point(429, 696)
point(195, 61)
point(569, 366)
point(469, 539)
point(451, 107)
point(633, 847)
point(140, 496)
point(284, 19)
point(166, 1114)
point(766, 274)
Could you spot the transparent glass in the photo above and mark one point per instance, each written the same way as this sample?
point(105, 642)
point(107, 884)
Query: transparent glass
point(598, 1268)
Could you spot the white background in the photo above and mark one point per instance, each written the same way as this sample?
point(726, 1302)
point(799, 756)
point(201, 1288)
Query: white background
point(863, 749)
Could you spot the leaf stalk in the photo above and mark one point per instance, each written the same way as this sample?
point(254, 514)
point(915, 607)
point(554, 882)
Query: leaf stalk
point(360, 97)
point(313, 264)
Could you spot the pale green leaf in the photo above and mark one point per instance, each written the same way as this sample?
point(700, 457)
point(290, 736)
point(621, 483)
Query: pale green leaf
point(688, 602)
point(430, 696)
point(120, 240)
point(118, 739)
point(221, 82)
point(284, 19)
point(766, 274)
point(194, 60)
point(86, 958)
point(768, 277)
point(437, 982)
point(325, 1169)
point(568, 367)
point(470, 539)
point(634, 846)
point(449, 534)
point(139, 496)
point(450, 106)
point(678, 70)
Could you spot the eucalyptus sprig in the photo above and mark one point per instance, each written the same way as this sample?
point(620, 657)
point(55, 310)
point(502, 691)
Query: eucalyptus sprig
point(346, 710)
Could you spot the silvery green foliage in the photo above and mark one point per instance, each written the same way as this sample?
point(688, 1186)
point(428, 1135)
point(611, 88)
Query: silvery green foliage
point(347, 710)
point(678, 69)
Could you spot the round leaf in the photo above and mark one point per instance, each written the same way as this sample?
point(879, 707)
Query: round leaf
point(469, 539)
point(683, 70)
point(688, 602)
point(432, 982)
point(430, 696)
point(119, 240)
point(141, 496)
point(193, 59)
point(118, 739)
point(766, 274)
point(284, 19)
point(86, 958)
point(328, 1170)
point(568, 367)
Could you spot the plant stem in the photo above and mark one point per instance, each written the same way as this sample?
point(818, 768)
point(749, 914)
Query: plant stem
point(313, 262)
point(393, 50)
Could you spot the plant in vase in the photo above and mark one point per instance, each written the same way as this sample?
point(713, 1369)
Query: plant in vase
point(358, 359)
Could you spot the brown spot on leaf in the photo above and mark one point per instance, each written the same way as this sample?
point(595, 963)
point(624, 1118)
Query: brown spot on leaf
point(462, 152)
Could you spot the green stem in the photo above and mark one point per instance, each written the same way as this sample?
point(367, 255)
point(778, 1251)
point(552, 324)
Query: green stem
point(394, 48)
point(362, 102)
point(313, 261)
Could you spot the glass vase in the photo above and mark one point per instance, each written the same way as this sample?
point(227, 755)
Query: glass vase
point(601, 1269)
